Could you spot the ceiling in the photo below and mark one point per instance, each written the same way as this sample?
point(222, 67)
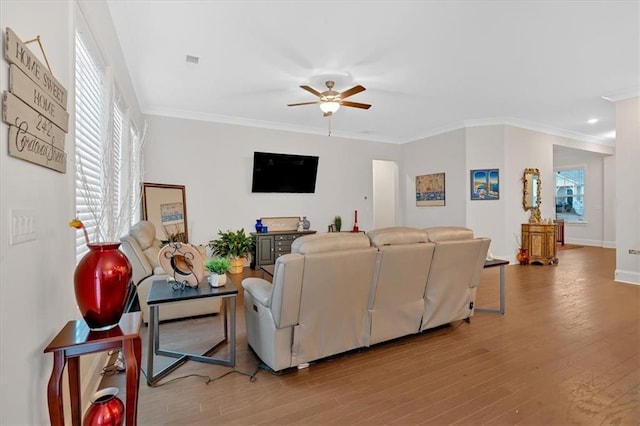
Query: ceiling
point(428, 66)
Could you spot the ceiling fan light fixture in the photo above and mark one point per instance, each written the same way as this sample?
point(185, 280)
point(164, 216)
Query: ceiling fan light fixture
point(329, 106)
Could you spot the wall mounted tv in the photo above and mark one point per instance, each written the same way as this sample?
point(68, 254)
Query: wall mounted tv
point(284, 173)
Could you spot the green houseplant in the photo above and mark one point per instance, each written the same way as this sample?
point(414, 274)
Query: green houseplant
point(337, 222)
point(218, 267)
point(235, 245)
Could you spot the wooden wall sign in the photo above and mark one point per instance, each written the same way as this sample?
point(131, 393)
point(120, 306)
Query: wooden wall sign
point(19, 54)
point(34, 108)
point(24, 88)
point(19, 114)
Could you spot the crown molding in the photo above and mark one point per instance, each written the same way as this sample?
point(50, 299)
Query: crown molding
point(515, 122)
point(239, 121)
point(622, 95)
point(496, 121)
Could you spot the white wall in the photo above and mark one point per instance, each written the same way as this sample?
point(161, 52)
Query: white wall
point(511, 150)
point(591, 232)
point(36, 295)
point(627, 194)
point(609, 202)
point(485, 150)
point(214, 162)
point(436, 154)
point(385, 193)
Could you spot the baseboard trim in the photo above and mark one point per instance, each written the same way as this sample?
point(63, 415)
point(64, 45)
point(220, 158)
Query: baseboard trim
point(627, 277)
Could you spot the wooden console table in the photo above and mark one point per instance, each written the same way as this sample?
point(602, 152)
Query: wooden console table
point(272, 245)
point(77, 339)
point(540, 240)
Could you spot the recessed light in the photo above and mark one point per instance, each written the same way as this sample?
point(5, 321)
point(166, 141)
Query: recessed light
point(592, 121)
point(192, 59)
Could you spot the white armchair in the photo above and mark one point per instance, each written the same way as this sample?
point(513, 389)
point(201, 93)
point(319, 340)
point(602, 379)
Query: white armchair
point(141, 247)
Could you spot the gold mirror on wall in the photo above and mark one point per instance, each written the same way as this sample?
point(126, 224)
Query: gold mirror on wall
point(531, 193)
point(165, 206)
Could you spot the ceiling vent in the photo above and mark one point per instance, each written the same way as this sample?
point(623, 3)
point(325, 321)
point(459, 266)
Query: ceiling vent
point(192, 59)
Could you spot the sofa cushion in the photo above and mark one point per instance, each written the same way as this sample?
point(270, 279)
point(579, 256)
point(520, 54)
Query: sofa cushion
point(448, 233)
point(145, 233)
point(329, 242)
point(397, 235)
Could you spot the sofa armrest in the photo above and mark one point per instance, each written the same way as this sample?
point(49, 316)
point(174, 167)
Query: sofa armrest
point(259, 289)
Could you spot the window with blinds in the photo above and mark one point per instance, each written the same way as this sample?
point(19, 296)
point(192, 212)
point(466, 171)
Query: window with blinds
point(90, 113)
point(108, 163)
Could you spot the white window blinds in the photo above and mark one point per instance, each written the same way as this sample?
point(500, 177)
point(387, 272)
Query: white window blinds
point(108, 163)
point(90, 112)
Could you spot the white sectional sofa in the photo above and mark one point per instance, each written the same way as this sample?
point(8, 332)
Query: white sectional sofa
point(340, 291)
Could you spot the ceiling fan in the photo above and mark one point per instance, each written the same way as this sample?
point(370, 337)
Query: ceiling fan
point(330, 100)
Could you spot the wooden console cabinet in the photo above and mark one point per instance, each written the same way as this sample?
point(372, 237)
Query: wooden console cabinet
point(540, 241)
point(272, 245)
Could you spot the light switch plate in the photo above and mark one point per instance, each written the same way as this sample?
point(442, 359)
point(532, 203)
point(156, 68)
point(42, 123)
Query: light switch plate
point(23, 226)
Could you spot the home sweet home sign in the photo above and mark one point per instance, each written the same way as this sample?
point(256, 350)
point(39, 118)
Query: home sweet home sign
point(35, 108)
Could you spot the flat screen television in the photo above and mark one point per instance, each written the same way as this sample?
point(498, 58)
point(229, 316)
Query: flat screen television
point(284, 173)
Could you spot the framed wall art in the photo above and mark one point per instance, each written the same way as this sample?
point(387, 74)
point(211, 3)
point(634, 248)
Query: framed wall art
point(485, 184)
point(430, 190)
point(165, 207)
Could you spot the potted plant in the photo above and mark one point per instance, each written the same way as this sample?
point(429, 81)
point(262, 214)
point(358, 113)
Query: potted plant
point(337, 222)
point(235, 245)
point(218, 267)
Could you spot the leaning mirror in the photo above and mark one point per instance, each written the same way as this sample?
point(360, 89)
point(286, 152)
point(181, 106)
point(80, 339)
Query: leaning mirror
point(531, 192)
point(165, 206)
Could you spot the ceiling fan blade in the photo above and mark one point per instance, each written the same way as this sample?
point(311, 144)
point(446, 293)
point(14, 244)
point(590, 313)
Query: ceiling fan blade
point(352, 91)
point(304, 103)
point(312, 90)
point(355, 104)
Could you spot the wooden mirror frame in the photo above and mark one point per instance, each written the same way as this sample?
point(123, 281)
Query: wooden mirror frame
point(530, 201)
point(160, 199)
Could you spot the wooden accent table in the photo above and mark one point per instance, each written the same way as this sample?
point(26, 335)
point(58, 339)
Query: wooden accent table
point(540, 240)
point(77, 339)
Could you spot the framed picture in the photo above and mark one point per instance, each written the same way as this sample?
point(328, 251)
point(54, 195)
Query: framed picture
point(165, 206)
point(485, 184)
point(430, 190)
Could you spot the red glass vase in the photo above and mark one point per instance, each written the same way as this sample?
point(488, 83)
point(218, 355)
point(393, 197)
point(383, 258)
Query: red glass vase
point(101, 281)
point(106, 409)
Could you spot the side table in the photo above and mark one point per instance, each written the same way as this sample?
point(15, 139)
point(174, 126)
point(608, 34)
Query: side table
point(77, 339)
point(490, 264)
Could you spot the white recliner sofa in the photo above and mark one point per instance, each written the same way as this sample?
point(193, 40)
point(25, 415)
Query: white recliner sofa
point(141, 247)
point(339, 291)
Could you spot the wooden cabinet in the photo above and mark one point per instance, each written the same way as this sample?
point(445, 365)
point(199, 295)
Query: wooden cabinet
point(272, 245)
point(540, 241)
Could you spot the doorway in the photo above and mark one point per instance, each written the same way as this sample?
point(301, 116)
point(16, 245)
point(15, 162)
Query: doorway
point(385, 193)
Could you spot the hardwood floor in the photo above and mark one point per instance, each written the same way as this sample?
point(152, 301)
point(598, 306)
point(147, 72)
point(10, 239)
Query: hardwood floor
point(565, 352)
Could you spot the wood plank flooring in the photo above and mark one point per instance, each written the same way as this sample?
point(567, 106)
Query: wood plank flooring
point(566, 352)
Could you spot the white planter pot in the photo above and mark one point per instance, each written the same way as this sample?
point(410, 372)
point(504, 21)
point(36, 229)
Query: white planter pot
point(216, 280)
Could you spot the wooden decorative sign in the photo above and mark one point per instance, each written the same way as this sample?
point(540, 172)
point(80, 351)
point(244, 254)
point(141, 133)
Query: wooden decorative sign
point(34, 108)
point(24, 88)
point(19, 114)
point(19, 54)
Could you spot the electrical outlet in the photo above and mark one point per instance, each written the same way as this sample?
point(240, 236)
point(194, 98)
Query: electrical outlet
point(634, 251)
point(23, 226)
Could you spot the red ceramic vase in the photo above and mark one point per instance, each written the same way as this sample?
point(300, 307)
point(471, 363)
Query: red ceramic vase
point(101, 281)
point(106, 409)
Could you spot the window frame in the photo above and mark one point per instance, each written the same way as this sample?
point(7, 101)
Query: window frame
point(582, 196)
